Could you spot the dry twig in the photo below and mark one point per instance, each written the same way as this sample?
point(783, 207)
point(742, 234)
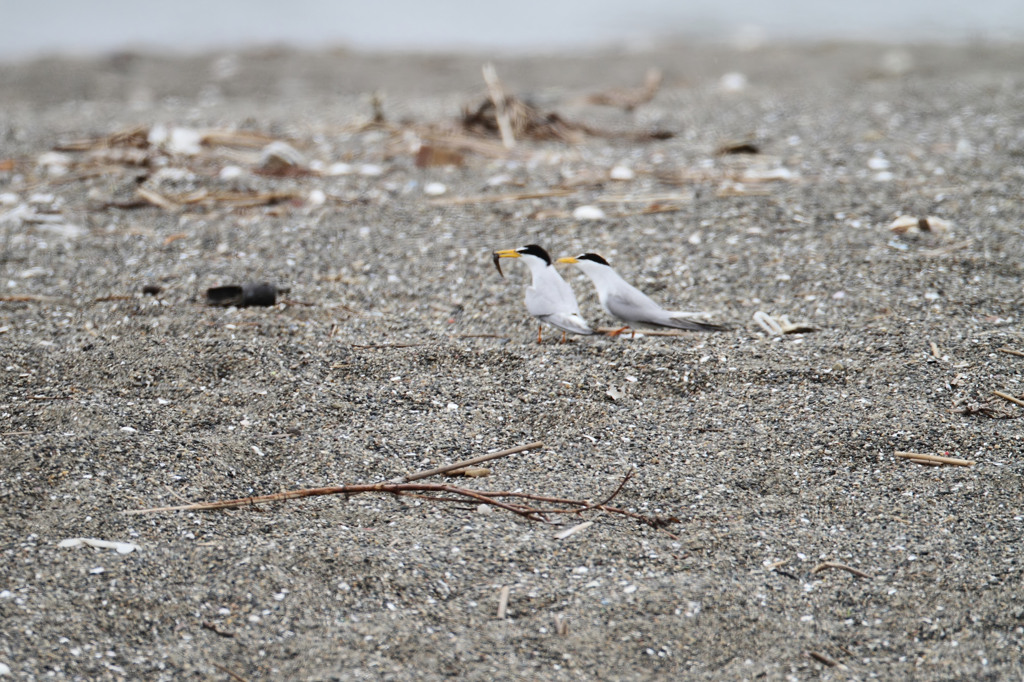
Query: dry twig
point(448, 142)
point(629, 99)
point(385, 346)
point(1011, 351)
point(1009, 398)
point(28, 298)
point(503, 601)
point(934, 459)
point(499, 100)
point(827, 660)
point(438, 492)
point(468, 462)
point(834, 564)
point(944, 250)
point(213, 627)
point(989, 409)
point(131, 137)
point(230, 673)
point(498, 198)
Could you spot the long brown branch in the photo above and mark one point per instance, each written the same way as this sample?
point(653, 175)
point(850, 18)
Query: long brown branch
point(438, 492)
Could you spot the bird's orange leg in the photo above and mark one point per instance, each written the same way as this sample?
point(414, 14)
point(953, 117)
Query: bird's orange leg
point(619, 331)
point(540, 338)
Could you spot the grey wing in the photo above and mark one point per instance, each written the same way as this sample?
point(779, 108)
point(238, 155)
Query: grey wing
point(682, 321)
point(569, 322)
point(632, 305)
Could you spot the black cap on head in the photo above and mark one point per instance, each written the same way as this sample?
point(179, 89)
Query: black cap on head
point(534, 250)
point(593, 257)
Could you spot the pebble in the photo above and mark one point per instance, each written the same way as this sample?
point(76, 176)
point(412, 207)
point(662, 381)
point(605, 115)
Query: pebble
point(231, 172)
point(733, 82)
point(622, 173)
point(339, 168)
point(588, 212)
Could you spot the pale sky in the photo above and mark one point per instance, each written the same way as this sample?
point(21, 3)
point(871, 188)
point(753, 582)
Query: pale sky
point(70, 26)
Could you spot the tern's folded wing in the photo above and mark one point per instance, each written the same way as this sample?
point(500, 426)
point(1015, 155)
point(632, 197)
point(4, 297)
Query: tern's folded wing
point(682, 321)
point(632, 305)
point(569, 322)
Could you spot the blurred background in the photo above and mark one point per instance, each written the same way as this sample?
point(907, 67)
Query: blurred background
point(70, 27)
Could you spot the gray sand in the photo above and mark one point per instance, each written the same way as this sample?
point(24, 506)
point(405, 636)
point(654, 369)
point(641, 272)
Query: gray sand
point(399, 348)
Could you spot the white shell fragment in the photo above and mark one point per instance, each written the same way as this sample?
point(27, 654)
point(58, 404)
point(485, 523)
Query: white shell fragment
point(622, 173)
point(878, 163)
point(779, 173)
point(279, 155)
point(185, 140)
point(172, 174)
point(733, 82)
point(777, 326)
point(23, 214)
point(588, 212)
point(339, 168)
point(119, 547)
point(55, 163)
point(41, 198)
point(434, 189)
point(230, 173)
point(499, 180)
point(177, 140)
point(563, 534)
point(907, 224)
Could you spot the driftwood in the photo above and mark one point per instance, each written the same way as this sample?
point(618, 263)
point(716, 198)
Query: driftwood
point(527, 505)
point(513, 119)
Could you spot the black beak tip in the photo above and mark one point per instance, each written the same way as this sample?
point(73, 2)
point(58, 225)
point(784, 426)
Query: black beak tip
point(497, 263)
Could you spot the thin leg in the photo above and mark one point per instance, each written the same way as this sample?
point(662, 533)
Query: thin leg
point(563, 337)
point(619, 331)
point(540, 338)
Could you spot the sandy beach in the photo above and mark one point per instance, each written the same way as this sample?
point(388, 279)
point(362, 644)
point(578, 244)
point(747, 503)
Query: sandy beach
point(868, 195)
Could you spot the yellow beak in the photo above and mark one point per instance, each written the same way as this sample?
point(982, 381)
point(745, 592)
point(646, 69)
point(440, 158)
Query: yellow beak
point(498, 255)
point(567, 259)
